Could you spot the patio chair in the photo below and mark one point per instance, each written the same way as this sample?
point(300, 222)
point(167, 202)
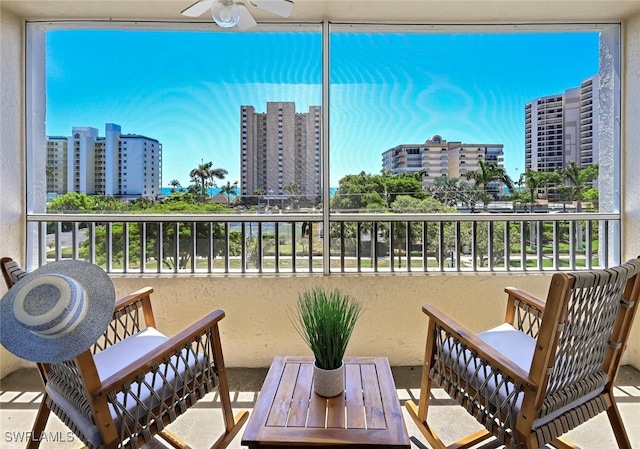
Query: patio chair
point(549, 368)
point(134, 380)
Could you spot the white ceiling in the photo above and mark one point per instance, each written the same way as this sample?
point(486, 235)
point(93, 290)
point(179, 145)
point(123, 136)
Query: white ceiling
point(384, 11)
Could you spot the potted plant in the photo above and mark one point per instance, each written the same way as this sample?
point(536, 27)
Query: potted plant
point(325, 321)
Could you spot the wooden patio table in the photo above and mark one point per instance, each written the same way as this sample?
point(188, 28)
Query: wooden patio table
point(289, 413)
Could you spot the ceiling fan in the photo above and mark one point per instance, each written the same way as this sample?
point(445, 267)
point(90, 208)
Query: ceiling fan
point(229, 13)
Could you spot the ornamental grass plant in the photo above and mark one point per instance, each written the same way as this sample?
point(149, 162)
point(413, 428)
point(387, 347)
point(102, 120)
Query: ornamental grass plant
point(325, 321)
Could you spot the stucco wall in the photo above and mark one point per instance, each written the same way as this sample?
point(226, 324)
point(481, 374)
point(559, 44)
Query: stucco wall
point(257, 324)
point(631, 161)
point(12, 223)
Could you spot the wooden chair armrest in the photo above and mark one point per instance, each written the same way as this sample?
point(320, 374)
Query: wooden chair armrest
point(525, 297)
point(463, 335)
point(172, 346)
point(524, 311)
point(133, 297)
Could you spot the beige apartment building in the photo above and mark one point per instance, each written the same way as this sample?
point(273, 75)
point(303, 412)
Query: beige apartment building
point(436, 157)
point(563, 128)
point(280, 147)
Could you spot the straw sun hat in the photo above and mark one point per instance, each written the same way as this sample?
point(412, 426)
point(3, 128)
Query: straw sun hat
point(57, 311)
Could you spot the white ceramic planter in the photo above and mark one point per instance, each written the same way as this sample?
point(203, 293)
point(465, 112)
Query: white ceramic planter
point(328, 383)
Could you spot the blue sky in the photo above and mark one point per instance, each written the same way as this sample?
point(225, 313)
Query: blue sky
point(186, 88)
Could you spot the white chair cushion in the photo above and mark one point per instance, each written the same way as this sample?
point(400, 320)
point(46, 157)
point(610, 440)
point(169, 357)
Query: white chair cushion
point(515, 345)
point(127, 351)
point(519, 348)
point(116, 357)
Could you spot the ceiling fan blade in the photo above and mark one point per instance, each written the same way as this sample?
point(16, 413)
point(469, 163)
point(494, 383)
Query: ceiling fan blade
point(198, 8)
point(282, 8)
point(246, 19)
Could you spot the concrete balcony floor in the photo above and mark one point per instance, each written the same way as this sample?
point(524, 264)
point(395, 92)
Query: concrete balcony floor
point(21, 392)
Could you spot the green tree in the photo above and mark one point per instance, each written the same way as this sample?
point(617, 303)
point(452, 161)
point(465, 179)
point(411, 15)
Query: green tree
point(229, 189)
point(175, 185)
point(578, 178)
point(482, 236)
point(352, 190)
point(294, 190)
point(592, 195)
point(446, 190)
point(155, 233)
point(488, 174)
point(401, 184)
point(374, 192)
point(72, 202)
point(204, 174)
point(535, 180)
point(429, 205)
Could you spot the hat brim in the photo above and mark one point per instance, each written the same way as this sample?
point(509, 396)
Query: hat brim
point(101, 302)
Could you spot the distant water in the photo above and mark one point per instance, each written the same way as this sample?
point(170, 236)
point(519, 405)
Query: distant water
point(166, 191)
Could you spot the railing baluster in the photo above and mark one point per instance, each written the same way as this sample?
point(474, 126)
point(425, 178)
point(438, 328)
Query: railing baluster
point(523, 245)
point(572, 244)
point(143, 247)
point(113, 234)
point(441, 248)
point(589, 239)
point(604, 247)
point(293, 247)
point(42, 243)
point(109, 248)
point(243, 255)
point(342, 248)
point(176, 246)
point(474, 246)
point(490, 245)
point(57, 235)
point(227, 251)
point(159, 247)
point(310, 238)
point(507, 246)
point(540, 244)
point(458, 246)
point(358, 248)
point(408, 245)
point(374, 245)
point(556, 245)
point(211, 245)
point(194, 244)
point(276, 230)
point(258, 250)
point(125, 249)
point(392, 245)
point(425, 247)
point(75, 242)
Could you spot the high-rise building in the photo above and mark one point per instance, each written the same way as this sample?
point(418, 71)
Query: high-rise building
point(562, 128)
point(119, 165)
point(280, 147)
point(437, 157)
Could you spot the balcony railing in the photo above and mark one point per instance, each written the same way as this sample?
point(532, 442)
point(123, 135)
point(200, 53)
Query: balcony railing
point(294, 243)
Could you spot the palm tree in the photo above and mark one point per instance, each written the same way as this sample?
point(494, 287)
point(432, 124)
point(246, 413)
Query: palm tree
point(228, 190)
point(175, 185)
point(487, 174)
point(445, 189)
point(577, 179)
point(294, 189)
point(204, 174)
point(534, 180)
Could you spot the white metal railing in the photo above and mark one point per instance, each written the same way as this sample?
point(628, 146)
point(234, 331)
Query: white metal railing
point(358, 242)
